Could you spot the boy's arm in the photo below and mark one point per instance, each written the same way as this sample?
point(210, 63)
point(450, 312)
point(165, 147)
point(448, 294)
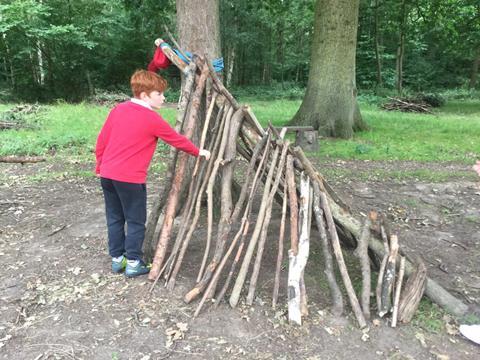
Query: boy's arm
point(165, 132)
point(102, 143)
point(99, 149)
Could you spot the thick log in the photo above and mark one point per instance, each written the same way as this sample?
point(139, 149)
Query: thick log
point(216, 140)
point(298, 261)
point(389, 277)
point(413, 292)
point(362, 253)
point(278, 268)
point(335, 293)
point(192, 195)
point(177, 182)
point(21, 159)
point(160, 199)
point(173, 57)
point(293, 202)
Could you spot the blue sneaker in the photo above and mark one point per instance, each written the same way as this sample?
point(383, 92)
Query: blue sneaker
point(119, 266)
point(137, 269)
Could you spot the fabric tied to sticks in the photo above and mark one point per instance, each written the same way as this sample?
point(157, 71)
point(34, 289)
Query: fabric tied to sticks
point(160, 61)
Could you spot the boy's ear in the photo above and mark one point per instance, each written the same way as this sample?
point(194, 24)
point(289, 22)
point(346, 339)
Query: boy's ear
point(142, 95)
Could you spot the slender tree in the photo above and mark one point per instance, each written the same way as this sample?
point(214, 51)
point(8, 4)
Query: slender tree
point(330, 103)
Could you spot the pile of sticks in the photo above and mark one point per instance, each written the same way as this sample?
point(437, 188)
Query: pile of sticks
point(407, 105)
point(241, 232)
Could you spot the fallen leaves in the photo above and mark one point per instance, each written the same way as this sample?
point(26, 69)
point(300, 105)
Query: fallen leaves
point(175, 333)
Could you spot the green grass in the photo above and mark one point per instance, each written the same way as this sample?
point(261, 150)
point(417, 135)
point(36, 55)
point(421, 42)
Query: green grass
point(446, 136)
point(65, 128)
point(429, 317)
point(452, 134)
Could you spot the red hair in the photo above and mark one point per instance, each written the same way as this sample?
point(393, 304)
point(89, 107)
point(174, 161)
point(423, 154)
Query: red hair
point(146, 81)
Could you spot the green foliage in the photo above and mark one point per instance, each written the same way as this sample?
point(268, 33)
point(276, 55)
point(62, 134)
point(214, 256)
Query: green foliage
point(429, 317)
point(64, 50)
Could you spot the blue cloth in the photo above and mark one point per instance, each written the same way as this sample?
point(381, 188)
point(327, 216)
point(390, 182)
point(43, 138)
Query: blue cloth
point(217, 63)
point(125, 203)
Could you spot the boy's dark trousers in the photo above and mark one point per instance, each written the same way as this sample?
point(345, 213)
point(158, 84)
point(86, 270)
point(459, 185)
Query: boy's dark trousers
point(125, 203)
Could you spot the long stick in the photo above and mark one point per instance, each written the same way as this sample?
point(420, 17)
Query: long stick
point(177, 181)
point(191, 199)
point(192, 195)
point(362, 253)
point(335, 293)
point(242, 274)
point(245, 223)
point(266, 222)
point(389, 277)
point(160, 200)
point(298, 261)
point(337, 250)
point(226, 206)
point(398, 290)
point(211, 182)
point(281, 235)
point(217, 140)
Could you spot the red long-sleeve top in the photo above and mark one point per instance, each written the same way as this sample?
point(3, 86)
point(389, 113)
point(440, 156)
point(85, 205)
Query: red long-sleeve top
point(159, 61)
point(127, 142)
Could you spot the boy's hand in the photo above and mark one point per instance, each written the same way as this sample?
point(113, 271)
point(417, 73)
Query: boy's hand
point(205, 153)
point(158, 42)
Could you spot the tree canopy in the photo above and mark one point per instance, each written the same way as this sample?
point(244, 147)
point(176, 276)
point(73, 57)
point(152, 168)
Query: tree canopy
point(53, 49)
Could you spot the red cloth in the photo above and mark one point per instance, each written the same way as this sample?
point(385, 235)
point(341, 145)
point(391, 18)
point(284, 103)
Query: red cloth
point(128, 139)
point(159, 61)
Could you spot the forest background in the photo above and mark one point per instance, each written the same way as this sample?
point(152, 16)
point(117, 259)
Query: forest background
point(55, 49)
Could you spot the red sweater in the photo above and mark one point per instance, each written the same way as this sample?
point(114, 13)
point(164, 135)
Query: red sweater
point(128, 139)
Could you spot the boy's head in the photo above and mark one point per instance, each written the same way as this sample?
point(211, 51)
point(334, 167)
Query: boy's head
point(147, 85)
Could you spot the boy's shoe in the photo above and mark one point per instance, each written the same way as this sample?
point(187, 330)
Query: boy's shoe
point(119, 265)
point(136, 268)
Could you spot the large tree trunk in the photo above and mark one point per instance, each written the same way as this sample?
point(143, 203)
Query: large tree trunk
point(198, 27)
point(330, 99)
point(474, 73)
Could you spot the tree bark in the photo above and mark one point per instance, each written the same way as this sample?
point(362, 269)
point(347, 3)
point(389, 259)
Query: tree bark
point(401, 47)
point(330, 100)
point(474, 73)
point(378, 60)
point(199, 27)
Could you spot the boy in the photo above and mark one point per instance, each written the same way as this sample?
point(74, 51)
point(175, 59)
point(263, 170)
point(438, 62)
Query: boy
point(124, 149)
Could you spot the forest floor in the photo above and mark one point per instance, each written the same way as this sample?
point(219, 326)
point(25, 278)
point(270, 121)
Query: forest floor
point(59, 300)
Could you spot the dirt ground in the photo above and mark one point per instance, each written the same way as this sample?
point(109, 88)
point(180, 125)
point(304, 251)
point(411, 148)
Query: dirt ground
point(59, 300)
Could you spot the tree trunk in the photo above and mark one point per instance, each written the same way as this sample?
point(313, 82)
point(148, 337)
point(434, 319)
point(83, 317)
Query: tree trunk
point(401, 47)
point(7, 50)
point(474, 73)
point(199, 27)
point(41, 69)
point(330, 99)
point(377, 47)
point(230, 64)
